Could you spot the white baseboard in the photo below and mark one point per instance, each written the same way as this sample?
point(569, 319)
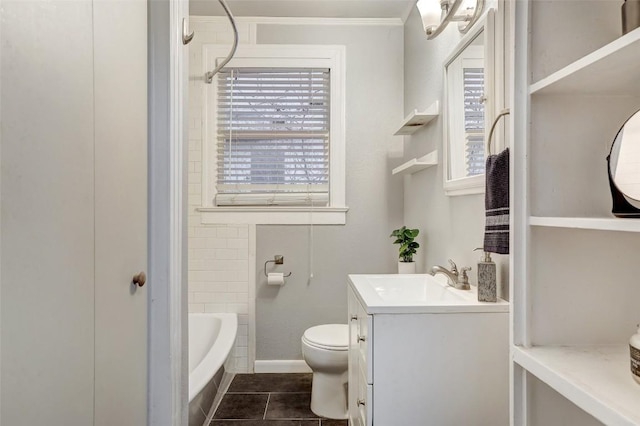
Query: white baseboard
point(282, 366)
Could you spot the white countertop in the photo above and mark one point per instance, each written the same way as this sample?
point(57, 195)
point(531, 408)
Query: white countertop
point(417, 293)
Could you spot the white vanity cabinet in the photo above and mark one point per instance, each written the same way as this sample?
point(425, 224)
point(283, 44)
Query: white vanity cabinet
point(411, 365)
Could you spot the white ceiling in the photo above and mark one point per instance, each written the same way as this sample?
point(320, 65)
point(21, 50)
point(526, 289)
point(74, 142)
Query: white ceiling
point(307, 8)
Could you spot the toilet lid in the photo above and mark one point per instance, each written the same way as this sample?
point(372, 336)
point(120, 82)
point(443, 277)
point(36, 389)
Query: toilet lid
point(329, 336)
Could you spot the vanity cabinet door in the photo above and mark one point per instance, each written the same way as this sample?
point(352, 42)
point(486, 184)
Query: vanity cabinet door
point(354, 358)
point(360, 364)
point(364, 401)
point(365, 343)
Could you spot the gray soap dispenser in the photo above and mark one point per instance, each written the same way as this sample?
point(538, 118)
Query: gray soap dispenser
point(487, 290)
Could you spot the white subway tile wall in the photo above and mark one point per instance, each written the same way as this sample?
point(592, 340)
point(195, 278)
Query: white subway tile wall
point(218, 254)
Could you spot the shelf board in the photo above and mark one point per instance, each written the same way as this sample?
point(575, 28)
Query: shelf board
point(595, 378)
point(417, 164)
point(416, 119)
point(601, 224)
point(611, 70)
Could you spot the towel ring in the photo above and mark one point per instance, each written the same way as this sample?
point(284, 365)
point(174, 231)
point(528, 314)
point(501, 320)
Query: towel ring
point(278, 259)
point(493, 127)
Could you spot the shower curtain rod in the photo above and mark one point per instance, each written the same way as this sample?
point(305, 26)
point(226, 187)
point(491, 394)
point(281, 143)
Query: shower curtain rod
point(208, 77)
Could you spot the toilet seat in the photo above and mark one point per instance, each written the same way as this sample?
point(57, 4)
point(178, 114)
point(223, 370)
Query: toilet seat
point(331, 337)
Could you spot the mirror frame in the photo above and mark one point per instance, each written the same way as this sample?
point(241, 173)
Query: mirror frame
point(471, 184)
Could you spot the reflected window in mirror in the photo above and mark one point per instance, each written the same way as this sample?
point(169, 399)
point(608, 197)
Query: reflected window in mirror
point(468, 77)
point(466, 111)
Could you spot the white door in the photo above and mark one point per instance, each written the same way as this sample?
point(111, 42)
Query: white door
point(73, 339)
point(120, 85)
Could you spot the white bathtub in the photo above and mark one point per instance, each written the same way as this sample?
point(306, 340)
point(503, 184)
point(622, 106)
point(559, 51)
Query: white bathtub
point(211, 337)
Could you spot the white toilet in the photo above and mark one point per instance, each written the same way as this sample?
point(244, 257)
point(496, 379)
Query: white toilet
point(325, 350)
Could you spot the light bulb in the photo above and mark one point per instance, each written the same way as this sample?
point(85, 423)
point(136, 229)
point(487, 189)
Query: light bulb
point(431, 13)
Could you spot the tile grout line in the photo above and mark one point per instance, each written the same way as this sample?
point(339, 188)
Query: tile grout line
point(264, 416)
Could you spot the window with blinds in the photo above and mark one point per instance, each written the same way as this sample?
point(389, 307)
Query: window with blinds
point(473, 80)
point(272, 137)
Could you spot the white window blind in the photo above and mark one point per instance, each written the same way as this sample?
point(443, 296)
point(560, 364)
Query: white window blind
point(474, 120)
point(273, 137)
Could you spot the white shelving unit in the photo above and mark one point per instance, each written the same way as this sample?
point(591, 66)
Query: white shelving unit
point(609, 70)
point(574, 292)
point(417, 119)
point(416, 164)
point(595, 378)
point(601, 224)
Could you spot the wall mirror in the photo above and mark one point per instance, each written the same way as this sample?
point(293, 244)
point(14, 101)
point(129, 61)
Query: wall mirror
point(468, 109)
point(624, 169)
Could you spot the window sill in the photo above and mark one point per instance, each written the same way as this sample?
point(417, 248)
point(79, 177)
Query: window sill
point(273, 215)
point(465, 186)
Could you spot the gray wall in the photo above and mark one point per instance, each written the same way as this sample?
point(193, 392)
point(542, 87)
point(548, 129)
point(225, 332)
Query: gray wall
point(451, 227)
point(374, 109)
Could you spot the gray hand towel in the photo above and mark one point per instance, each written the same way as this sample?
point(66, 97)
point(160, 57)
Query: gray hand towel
point(496, 202)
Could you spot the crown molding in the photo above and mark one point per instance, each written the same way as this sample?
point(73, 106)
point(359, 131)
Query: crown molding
point(407, 12)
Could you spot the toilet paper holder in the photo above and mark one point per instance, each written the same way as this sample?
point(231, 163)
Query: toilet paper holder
point(278, 259)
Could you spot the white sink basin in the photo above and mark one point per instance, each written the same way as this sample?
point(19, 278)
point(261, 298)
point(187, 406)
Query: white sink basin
point(412, 288)
point(417, 293)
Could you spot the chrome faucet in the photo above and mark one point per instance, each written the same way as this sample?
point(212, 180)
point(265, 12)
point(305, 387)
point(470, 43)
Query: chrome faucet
point(458, 280)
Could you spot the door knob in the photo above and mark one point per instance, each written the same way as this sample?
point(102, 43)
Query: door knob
point(140, 279)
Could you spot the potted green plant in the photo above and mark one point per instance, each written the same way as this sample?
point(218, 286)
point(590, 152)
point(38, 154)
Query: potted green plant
point(405, 237)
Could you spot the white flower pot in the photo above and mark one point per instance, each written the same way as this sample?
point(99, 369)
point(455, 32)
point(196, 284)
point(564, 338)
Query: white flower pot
point(406, 267)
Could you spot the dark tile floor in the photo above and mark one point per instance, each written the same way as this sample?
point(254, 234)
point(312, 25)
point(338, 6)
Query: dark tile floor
point(269, 400)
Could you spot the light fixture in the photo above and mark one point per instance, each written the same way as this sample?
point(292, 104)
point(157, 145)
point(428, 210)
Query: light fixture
point(436, 14)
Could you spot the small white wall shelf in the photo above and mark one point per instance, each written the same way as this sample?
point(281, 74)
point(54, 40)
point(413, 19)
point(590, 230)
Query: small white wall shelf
point(417, 164)
point(601, 224)
point(416, 119)
point(595, 378)
point(612, 70)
